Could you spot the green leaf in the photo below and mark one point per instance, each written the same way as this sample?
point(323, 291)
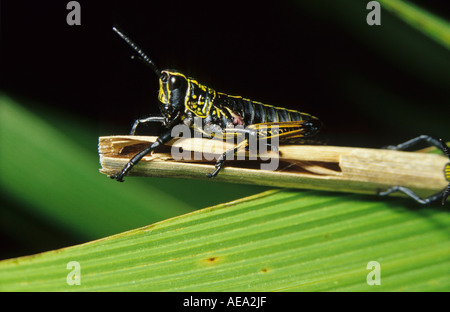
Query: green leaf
point(431, 25)
point(275, 241)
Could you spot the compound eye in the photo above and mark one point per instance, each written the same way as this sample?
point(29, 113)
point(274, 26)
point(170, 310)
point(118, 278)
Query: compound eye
point(174, 82)
point(164, 77)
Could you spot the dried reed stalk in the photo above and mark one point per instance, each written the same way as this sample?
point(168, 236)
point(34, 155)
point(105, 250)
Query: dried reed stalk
point(332, 168)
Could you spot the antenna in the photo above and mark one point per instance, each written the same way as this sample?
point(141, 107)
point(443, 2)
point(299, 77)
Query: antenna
point(142, 55)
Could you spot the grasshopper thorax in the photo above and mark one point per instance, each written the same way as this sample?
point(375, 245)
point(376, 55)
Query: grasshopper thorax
point(178, 94)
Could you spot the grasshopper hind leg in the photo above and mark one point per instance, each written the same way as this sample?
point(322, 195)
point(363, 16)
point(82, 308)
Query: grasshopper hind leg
point(440, 196)
point(415, 141)
point(417, 198)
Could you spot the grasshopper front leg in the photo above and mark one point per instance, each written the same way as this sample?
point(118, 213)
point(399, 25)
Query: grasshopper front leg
point(162, 139)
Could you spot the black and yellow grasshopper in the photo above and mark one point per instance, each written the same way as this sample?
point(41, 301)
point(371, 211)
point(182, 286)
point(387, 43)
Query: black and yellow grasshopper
point(181, 99)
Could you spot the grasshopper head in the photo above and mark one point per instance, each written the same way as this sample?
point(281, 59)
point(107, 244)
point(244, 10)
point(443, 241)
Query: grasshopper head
point(173, 87)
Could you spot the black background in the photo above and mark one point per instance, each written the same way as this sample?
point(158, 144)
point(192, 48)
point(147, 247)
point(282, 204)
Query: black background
point(281, 53)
